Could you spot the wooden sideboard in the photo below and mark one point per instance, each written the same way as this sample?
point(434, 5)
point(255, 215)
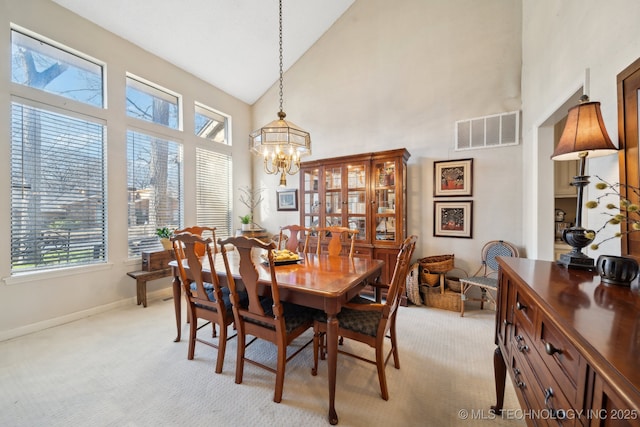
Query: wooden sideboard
point(570, 345)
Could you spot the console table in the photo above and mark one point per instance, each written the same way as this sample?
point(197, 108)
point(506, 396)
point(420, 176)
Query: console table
point(570, 344)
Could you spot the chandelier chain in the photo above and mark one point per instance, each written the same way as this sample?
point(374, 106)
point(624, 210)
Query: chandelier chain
point(280, 45)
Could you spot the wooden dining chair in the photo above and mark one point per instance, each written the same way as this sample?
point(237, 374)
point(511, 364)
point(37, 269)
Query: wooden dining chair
point(208, 301)
point(370, 323)
point(201, 231)
point(264, 317)
point(334, 236)
point(293, 235)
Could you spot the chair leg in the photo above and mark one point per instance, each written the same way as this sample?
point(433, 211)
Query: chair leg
point(482, 298)
point(462, 291)
point(316, 347)
point(282, 363)
point(240, 354)
point(222, 347)
point(394, 346)
point(213, 332)
point(193, 330)
point(381, 374)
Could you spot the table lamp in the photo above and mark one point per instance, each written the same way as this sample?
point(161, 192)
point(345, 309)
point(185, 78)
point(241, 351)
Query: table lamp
point(584, 135)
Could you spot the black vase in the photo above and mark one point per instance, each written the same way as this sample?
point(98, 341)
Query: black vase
point(617, 270)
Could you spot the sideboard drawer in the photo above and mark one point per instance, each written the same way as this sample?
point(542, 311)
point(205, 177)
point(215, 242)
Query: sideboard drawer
point(561, 358)
point(525, 312)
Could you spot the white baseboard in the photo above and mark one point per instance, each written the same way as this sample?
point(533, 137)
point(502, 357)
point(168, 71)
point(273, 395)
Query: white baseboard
point(50, 323)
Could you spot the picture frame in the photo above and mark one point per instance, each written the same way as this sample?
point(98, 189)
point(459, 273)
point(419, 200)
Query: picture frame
point(453, 178)
point(287, 200)
point(453, 219)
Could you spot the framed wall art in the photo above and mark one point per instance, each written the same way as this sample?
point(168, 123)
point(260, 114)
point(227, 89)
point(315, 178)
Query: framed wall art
point(453, 219)
point(288, 200)
point(453, 178)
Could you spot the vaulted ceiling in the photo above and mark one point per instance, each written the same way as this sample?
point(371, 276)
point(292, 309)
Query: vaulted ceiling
point(231, 44)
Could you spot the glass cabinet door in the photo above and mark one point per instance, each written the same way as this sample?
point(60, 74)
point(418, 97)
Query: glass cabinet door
point(311, 198)
point(357, 199)
point(385, 201)
point(333, 196)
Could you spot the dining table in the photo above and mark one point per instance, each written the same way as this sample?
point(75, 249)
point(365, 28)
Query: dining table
point(319, 281)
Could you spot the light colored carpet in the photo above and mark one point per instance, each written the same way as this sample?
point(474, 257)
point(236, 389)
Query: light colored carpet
point(122, 368)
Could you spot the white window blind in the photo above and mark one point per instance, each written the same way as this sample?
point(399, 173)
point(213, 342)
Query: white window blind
point(213, 186)
point(57, 189)
point(154, 179)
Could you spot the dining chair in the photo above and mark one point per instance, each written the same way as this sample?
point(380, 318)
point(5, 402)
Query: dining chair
point(201, 231)
point(334, 235)
point(208, 301)
point(264, 317)
point(485, 278)
point(370, 323)
point(291, 240)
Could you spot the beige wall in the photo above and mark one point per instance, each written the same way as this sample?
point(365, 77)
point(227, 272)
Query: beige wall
point(399, 74)
point(561, 39)
point(40, 300)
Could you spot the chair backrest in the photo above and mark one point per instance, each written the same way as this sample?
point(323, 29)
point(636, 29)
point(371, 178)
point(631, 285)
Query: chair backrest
point(200, 231)
point(249, 273)
point(334, 234)
point(398, 280)
point(493, 249)
point(296, 233)
point(185, 247)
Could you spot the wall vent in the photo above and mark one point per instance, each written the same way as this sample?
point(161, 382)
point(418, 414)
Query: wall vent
point(497, 130)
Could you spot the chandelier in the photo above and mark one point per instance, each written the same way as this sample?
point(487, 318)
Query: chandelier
point(281, 143)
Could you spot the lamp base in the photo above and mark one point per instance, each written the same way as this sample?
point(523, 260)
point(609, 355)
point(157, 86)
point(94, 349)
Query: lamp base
point(577, 260)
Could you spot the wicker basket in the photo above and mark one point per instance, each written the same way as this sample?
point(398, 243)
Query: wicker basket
point(437, 263)
point(447, 300)
point(453, 280)
point(453, 283)
point(428, 278)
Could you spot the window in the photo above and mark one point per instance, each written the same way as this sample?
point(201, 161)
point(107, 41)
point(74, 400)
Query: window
point(213, 188)
point(154, 180)
point(152, 104)
point(57, 189)
point(211, 125)
point(40, 65)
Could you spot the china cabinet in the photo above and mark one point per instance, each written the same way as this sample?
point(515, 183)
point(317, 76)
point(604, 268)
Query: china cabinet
point(366, 192)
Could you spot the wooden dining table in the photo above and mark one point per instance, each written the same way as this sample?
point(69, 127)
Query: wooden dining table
point(318, 281)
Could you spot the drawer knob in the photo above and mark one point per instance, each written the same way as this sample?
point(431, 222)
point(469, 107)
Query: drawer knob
point(558, 414)
point(519, 382)
point(520, 306)
point(550, 349)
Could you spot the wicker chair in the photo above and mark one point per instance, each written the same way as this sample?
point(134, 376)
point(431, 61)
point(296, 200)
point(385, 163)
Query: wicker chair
point(486, 277)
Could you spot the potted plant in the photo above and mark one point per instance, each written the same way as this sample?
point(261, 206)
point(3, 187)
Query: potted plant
point(251, 199)
point(164, 234)
point(246, 222)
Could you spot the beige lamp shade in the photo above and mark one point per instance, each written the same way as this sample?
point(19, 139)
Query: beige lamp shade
point(584, 134)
